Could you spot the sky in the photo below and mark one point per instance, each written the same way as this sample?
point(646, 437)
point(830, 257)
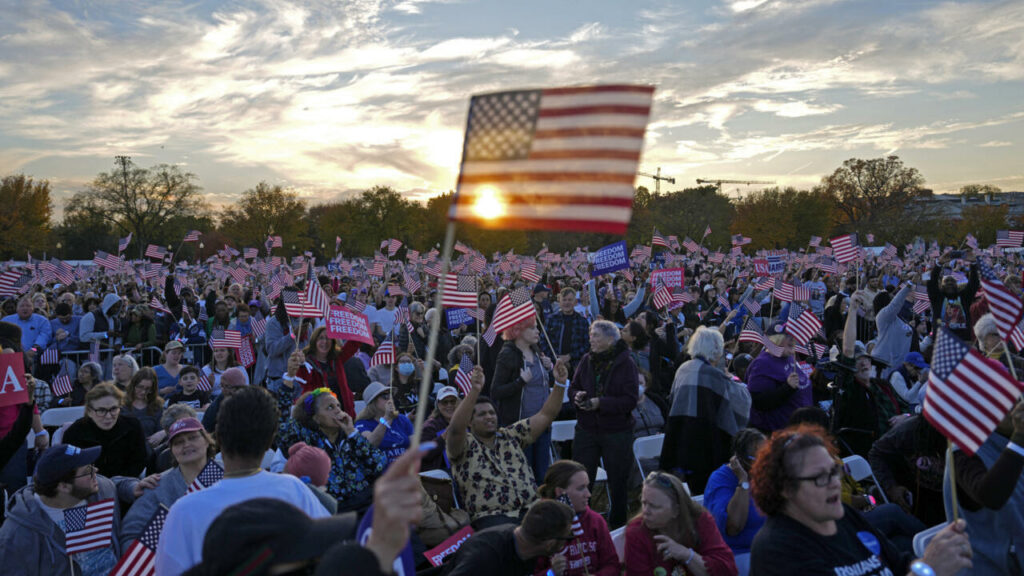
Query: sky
point(330, 98)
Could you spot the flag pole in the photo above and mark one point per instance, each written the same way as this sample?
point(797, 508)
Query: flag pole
point(546, 337)
point(435, 328)
point(1009, 360)
point(952, 479)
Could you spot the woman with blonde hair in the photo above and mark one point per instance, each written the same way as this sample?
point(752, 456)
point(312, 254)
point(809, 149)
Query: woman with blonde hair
point(672, 532)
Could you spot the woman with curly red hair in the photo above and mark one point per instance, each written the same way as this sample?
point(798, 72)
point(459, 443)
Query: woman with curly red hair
point(796, 483)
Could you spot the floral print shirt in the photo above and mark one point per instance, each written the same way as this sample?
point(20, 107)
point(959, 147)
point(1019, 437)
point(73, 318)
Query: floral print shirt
point(496, 480)
point(355, 463)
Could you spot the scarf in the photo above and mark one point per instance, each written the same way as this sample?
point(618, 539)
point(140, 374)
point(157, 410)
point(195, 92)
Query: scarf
point(602, 362)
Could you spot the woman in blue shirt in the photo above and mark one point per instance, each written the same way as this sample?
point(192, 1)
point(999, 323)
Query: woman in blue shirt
point(381, 424)
point(727, 497)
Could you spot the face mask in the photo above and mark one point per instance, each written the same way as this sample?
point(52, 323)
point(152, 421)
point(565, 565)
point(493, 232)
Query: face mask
point(641, 389)
point(406, 368)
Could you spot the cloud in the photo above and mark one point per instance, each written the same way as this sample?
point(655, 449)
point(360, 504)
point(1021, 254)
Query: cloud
point(996, 144)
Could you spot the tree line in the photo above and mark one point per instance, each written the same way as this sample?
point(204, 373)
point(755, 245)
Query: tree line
point(160, 204)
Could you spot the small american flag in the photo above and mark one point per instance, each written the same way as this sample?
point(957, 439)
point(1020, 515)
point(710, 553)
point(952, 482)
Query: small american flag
point(225, 339)
point(815, 241)
point(245, 354)
point(1009, 238)
point(740, 240)
point(967, 393)
point(123, 243)
point(204, 382)
point(159, 306)
point(528, 271)
point(462, 376)
point(577, 527)
point(889, 252)
point(384, 355)
point(723, 301)
point(49, 356)
point(513, 308)
point(315, 295)
point(845, 248)
point(707, 231)
point(210, 475)
point(972, 241)
point(105, 260)
point(88, 527)
point(783, 291)
point(802, 324)
point(659, 240)
point(690, 245)
point(1005, 306)
point(191, 236)
point(402, 317)
point(412, 255)
point(871, 238)
point(295, 304)
point(154, 251)
point(921, 302)
point(250, 253)
point(460, 247)
point(752, 333)
point(61, 385)
point(752, 306)
point(662, 296)
point(259, 326)
point(412, 284)
point(138, 560)
point(459, 291)
point(275, 242)
point(393, 247)
point(355, 305)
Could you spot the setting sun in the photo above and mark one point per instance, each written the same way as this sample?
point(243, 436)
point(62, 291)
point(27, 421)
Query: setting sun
point(489, 204)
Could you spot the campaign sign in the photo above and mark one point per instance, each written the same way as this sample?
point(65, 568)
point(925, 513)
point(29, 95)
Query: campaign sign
point(670, 277)
point(450, 546)
point(457, 317)
point(776, 265)
point(13, 388)
point(657, 261)
point(332, 267)
point(610, 258)
point(760, 267)
point(345, 324)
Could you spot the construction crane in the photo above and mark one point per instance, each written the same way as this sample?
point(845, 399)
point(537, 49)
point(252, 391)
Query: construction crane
point(718, 183)
point(657, 179)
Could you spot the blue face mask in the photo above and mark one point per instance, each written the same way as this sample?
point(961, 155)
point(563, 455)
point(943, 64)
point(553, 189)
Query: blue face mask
point(406, 368)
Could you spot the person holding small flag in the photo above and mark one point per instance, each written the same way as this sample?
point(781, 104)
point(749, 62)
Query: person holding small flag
point(381, 424)
point(591, 552)
point(192, 450)
point(777, 386)
point(221, 360)
point(951, 304)
point(435, 428)
point(68, 506)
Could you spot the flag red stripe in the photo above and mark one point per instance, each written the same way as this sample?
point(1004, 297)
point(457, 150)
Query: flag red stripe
point(547, 177)
point(554, 224)
point(594, 89)
point(971, 414)
point(593, 131)
point(532, 200)
point(599, 109)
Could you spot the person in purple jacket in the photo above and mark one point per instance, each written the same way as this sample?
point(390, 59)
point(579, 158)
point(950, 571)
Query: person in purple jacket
point(604, 390)
point(777, 385)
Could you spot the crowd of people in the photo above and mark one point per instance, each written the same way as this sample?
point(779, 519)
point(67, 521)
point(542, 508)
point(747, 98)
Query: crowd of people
point(264, 456)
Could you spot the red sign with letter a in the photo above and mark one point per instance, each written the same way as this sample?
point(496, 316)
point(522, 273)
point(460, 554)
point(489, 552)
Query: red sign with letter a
point(12, 380)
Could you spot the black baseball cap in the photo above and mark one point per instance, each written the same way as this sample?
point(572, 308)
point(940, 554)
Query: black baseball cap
point(60, 459)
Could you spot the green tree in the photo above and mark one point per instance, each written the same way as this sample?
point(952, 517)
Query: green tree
point(775, 218)
point(981, 221)
point(148, 202)
point(25, 218)
point(971, 190)
point(267, 210)
point(873, 195)
point(84, 230)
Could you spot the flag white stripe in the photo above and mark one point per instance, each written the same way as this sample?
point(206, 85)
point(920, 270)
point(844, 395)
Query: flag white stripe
point(964, 438)
point(551, 189)
point(554, 212)
point(981, 370)
point(619, 97)
point(955, 421)
point(953, 404)
point(624, 143)
point(597, 166)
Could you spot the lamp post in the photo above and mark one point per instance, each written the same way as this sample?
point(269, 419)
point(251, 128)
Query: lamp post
point(59, 253)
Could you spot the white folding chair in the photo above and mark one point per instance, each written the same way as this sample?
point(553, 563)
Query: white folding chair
point(561, 431)
point(619, 539)
point(648, 447)
point(860, 469)
point(55, 417)
point(922, 538)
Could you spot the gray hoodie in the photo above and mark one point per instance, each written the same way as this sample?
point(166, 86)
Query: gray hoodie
point(168, 491)
point(86, 327)
point(31, 544)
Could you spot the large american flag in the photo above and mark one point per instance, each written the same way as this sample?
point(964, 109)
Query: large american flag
point(1006, 307)
point(13, 282)
point(208, 476)
point(462, 375)
point(105, 260)
point(845, 248)
point(296, 305)
point(191, 236)
point(512, 309)
point(967, 393)
point(88, 527)
point(138, 559)
point(562, 159)
point(1009, 238)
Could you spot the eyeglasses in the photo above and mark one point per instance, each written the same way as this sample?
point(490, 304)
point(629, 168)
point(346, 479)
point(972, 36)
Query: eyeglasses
point(823, 479)
point(106, 411)
point(88, 473)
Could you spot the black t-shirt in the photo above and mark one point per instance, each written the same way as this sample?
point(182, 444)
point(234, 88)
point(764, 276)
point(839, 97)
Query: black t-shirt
point(785, 546)
point(491, 552)
point(196, 400)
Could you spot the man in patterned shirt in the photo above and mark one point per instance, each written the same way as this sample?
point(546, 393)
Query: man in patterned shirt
point(488, 463)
